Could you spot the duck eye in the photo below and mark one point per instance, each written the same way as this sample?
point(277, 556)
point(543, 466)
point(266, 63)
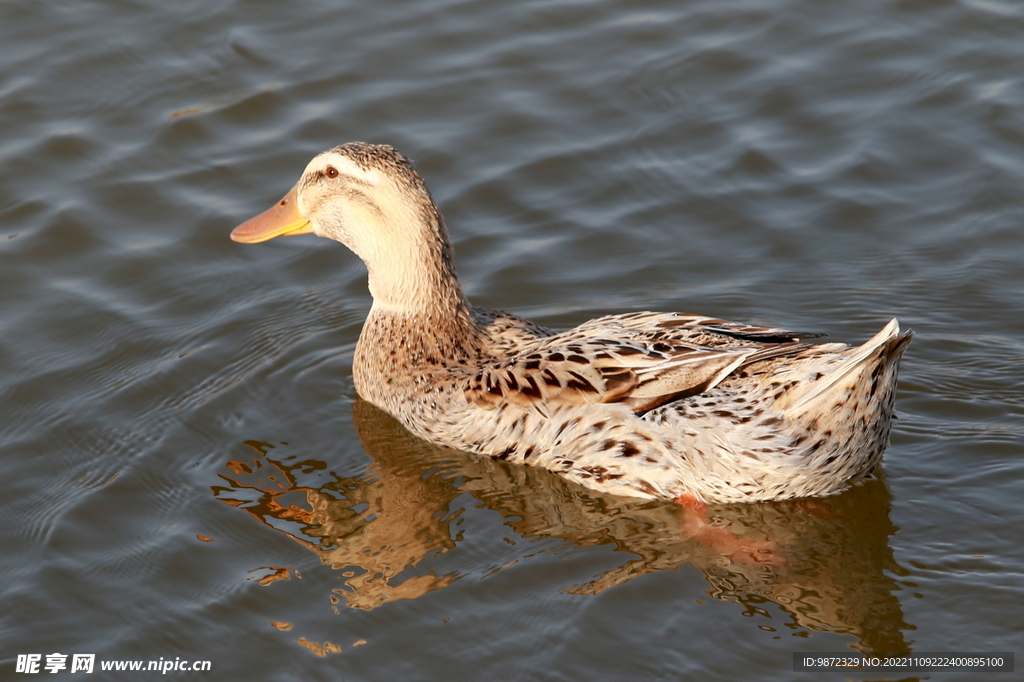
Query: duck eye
point(331, 172)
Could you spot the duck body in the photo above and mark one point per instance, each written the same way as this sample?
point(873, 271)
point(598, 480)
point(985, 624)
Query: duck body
point(655, 405)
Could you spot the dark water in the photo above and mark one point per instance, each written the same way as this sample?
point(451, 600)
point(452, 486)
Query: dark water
point(820, 166)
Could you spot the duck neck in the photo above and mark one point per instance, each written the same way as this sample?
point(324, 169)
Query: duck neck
point(420, 320)
point(415, 278)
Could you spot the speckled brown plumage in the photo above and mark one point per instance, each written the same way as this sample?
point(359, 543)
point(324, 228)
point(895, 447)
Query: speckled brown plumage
point(658, 405)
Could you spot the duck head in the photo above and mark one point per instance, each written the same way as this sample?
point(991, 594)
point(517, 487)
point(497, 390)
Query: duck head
point(370, 198)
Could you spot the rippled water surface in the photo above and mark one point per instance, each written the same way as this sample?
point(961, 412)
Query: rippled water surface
point(189, 473)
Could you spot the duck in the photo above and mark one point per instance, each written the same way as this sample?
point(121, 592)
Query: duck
point(659, 405)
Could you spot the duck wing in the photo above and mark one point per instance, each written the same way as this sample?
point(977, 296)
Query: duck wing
point(640, 359)
point(694, 328)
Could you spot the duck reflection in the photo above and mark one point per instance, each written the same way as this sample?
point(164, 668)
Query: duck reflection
point(824, 561)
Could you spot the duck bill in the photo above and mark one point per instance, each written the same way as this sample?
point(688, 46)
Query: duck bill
point(280, 220)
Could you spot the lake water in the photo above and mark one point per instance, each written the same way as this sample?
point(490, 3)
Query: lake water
point(189, 474)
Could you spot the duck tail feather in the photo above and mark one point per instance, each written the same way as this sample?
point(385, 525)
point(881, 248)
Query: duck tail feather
point(884, 347)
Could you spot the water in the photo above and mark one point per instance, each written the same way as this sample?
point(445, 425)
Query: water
point(818, 166)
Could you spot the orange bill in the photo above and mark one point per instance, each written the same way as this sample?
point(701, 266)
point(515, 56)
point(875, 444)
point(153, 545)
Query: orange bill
point(282, 219)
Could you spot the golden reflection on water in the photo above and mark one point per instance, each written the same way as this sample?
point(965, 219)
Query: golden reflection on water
point(824, 561)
